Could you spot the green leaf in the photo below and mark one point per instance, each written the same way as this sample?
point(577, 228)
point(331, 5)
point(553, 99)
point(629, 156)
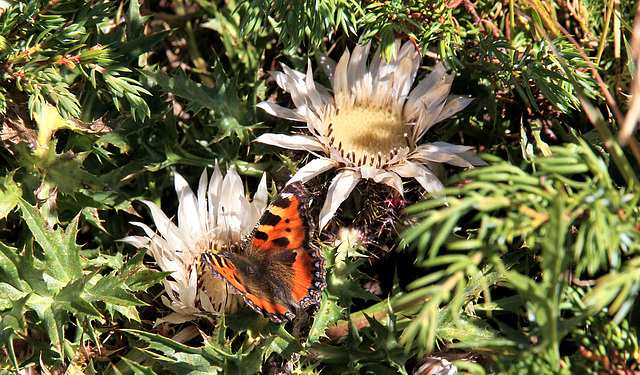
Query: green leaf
point(199, 97)
point(62, 254)
point(113, 291)
point(56, 287)
point(328, 313)
point(135, 367)
point(9, 194)
point(116, 289)
point(73, 298)
point(12, 326)
point(54, 318)
point(465, 329)
point(179, 357)
point(10, 275)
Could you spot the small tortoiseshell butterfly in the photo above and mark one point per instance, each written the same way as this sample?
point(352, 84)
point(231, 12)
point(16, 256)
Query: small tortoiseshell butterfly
point(279, 268)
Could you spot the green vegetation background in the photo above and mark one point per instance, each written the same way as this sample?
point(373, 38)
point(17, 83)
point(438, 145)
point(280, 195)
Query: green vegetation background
point(529, 265)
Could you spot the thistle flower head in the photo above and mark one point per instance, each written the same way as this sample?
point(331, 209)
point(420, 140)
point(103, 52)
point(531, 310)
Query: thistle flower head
point(217, 216)
point(370, 126)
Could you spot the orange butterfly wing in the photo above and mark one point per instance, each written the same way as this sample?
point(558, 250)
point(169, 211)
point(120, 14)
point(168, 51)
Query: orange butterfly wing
point(256, 297)
point(279, 269)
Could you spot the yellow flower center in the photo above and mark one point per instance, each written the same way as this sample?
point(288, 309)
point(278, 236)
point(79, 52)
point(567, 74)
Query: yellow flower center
point(367, 135)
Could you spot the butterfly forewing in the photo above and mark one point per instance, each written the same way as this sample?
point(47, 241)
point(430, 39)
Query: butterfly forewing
point(283, 226)
point(226, 270)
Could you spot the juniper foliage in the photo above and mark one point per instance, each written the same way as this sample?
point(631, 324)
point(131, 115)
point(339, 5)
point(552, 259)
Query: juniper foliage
point(529, 265)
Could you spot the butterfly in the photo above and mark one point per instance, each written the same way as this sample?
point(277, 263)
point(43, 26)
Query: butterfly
point(279, 268)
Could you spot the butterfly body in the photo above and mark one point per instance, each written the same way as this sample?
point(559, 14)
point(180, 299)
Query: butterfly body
point(279, 269)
